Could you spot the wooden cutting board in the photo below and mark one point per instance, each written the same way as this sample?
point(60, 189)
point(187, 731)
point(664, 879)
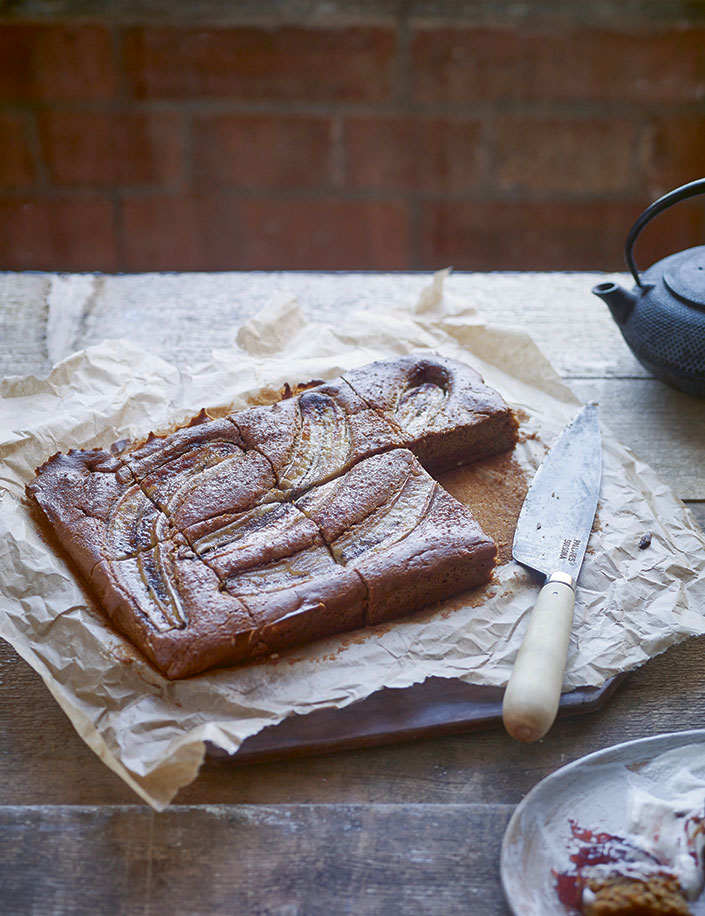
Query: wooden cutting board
point(438, 706)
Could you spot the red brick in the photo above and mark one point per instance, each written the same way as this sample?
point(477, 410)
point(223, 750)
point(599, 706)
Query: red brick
point(92, 148)
point(57, 234)
point(676, 152)
point(550, 154)
point(261, 151)
point(178, 233)
point(328, 234)
point(428, 154)
point(56, 62)
point(319, 65)
point(16, 165)
point(545, 236)
point(217, 232)
point(465, 65)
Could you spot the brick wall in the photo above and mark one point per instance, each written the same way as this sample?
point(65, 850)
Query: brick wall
point(390, 141)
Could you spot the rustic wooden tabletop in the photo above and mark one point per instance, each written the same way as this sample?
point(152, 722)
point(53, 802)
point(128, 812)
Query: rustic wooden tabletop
point(412, 827)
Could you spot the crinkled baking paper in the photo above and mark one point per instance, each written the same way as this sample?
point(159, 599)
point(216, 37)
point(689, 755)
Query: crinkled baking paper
point(632, 603)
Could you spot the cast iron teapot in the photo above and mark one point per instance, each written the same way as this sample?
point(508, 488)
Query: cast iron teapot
point(663, 318)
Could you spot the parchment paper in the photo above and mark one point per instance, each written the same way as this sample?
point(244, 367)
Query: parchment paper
point(632, 603)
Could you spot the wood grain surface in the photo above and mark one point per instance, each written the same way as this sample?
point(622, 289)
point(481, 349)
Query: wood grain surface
point(414, 827)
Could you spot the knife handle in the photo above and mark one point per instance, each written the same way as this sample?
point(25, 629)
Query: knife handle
point(534, 689)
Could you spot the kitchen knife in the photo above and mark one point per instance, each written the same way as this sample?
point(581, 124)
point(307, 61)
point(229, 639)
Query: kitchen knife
point(551, 536)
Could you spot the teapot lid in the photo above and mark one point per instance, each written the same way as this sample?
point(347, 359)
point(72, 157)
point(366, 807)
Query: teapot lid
point(684, 275)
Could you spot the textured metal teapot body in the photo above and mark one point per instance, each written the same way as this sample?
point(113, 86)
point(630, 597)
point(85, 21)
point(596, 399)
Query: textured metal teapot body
point(662, 319)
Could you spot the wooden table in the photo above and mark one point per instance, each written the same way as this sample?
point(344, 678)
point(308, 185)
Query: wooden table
point(411, 828)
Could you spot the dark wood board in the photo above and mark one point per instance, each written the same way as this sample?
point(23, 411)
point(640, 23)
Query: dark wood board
point(437, 706)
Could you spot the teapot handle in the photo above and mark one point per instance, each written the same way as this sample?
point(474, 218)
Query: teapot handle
point(658, 206)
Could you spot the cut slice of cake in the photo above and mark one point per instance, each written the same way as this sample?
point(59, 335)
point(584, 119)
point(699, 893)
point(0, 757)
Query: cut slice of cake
point(234, 544)
point(442, 408)
point(173, 607)
point(411, 542)
point(95, 508)
point(657, 895)
point(316, 435)
point(202, 443)
point(302, 598)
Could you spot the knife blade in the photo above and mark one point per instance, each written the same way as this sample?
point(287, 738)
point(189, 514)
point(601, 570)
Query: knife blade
point(551, 538)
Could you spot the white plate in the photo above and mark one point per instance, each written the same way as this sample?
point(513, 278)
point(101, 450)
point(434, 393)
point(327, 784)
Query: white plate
point(591, 791)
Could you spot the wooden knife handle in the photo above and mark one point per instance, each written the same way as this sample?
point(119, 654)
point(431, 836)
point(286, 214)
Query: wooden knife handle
point(534, 689)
